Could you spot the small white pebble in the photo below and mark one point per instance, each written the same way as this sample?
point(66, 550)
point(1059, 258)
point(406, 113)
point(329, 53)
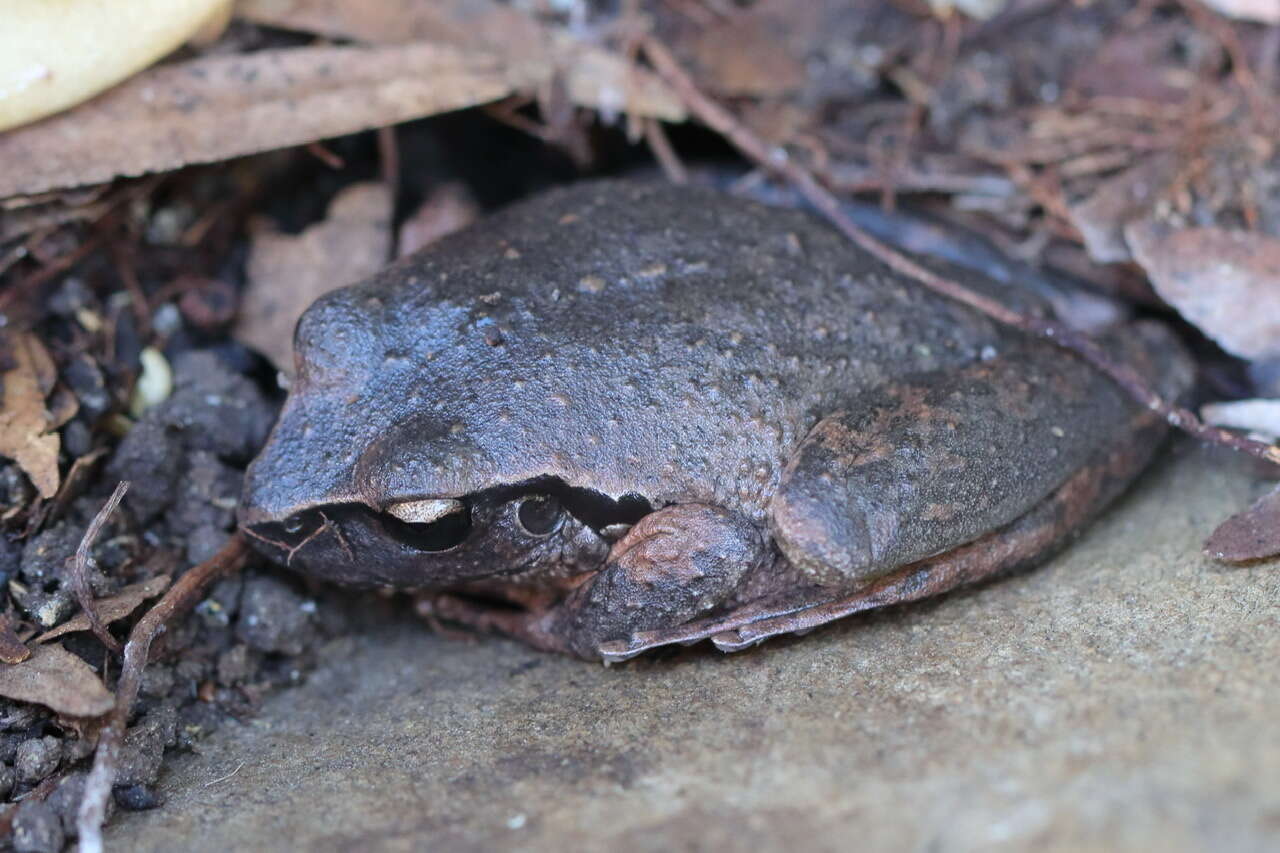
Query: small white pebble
point(167, 319)
point(154, 384)
point(516, 822)
point(88, 319)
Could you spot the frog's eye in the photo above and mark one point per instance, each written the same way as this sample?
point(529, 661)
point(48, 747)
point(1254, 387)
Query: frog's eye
point(432, 524)
point(540, 515)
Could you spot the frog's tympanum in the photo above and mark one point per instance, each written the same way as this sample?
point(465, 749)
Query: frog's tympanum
point(625, 415)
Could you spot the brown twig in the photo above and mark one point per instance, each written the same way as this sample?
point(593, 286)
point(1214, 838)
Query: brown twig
point(775, 159)
point(664, 153)
point(103, 227)
point(389, 165)
point(122, 255)
point(180, 597)
point(53, 269)
point(325, 156)
point(82, 562)
point(1225, 34)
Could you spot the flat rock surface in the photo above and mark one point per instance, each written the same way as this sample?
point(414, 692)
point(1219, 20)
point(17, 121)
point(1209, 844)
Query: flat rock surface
point(1122, 697)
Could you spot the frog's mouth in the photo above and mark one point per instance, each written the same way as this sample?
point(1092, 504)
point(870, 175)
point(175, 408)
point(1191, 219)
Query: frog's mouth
point(348, 525)
point(352, 542)
point(447, 522)
point(594, 509)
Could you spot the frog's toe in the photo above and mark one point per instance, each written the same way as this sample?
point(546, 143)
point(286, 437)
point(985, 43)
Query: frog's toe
point(735, 641)
point(534, 627)
point(616, 651)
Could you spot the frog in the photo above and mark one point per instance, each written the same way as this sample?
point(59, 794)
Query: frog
point(625, 415)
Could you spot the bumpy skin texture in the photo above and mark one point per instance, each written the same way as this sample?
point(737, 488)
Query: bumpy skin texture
point(929, 462)
point(800, 419)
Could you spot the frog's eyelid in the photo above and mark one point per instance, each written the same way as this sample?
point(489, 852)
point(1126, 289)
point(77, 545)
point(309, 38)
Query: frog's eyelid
point(425, 511)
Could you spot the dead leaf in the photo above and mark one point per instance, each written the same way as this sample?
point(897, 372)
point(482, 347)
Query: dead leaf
point(604, 81)
point(594, 77)
point(62, 406)
point(72, 487)
point(977, 9)
point(54, 55)
point(1227, 283)
point(1130, 195)
point(112, 607)
point(463, 23)
point(1251, 535)
point(1139, 66)
point(57, 679)
point(743, 57)
point(288, 272)
point(1263, 11)
point(12, 649)
point(1257, 416)
point(448, 208)
point(22, 215)
point(26, 432)
point(42, 366)
point(224, 106)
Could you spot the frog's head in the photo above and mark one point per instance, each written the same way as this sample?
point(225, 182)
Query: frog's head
point(537, 526)
point(412, 452)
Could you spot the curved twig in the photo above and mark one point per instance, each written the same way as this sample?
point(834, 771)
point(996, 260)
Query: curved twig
point(180, 597)
point(83, 560)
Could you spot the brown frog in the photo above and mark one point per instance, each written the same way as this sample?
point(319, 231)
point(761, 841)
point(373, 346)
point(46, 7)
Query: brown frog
point(624, 415)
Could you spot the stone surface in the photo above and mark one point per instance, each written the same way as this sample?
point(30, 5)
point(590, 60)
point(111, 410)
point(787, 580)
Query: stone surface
point(1122, 697)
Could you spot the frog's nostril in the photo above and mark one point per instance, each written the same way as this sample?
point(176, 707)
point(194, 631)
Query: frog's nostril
point(300, 525)
point(294, 524)
point(283, 537)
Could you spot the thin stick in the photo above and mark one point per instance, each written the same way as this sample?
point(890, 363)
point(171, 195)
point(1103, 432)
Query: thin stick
point(226, 777)
point(181, 597)
point(776, 160)
point(389, 163)
point(82, 561)
point(663, 152)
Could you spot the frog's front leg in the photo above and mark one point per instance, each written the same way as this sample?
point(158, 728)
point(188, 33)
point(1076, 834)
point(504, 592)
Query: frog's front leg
point(674, 565)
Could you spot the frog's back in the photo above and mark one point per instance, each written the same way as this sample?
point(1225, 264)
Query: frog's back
point(632, 338)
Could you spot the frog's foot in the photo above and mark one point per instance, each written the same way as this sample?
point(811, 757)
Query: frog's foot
point(534, 627)
point(1015, 545)
point(675, 564)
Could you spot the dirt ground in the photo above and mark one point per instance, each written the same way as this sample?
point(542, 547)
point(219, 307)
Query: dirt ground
point(1121, 698)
